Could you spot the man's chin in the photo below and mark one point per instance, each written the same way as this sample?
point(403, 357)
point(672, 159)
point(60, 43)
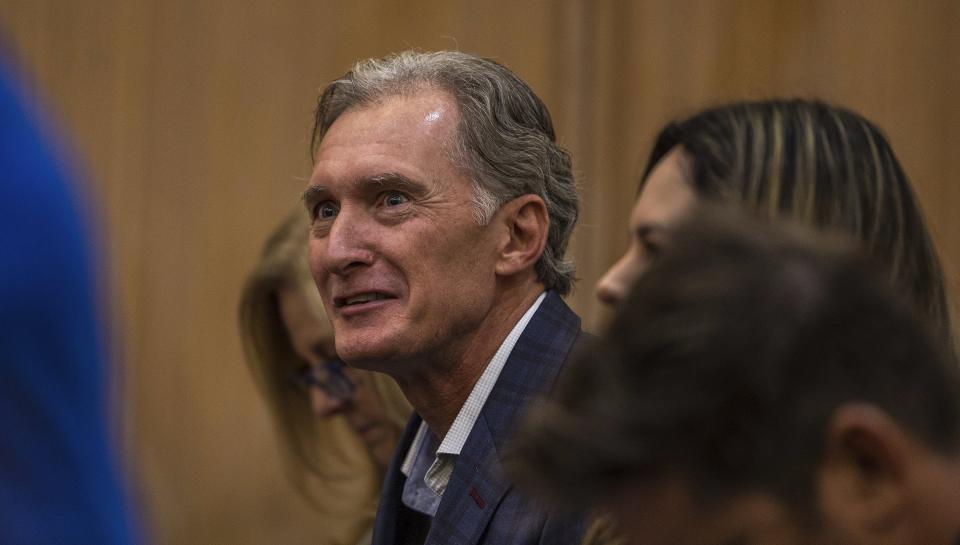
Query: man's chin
point(366, 355)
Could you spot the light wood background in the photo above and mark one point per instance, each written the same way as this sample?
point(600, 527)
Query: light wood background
point(192, 117)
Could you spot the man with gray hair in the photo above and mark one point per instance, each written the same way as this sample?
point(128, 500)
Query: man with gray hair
point(441, 210)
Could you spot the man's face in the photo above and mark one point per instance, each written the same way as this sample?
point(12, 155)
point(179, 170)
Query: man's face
point(404, 270)
point(668, 514)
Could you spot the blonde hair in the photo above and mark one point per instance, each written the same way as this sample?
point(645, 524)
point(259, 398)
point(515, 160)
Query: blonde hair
point(822, 166)
point(314, 449)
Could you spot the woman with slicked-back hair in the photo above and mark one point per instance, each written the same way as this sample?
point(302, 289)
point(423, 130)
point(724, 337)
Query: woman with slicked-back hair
point(807, 161)
point(819, 165)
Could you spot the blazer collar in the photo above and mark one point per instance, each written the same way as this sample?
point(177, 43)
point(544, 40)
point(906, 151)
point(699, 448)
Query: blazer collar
point(478, 483)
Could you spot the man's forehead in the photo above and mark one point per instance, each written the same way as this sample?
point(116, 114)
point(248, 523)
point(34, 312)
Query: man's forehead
point(410, 134)
point(428, 111)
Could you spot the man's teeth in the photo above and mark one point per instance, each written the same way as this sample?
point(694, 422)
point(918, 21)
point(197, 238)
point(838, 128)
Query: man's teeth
point(364, 298)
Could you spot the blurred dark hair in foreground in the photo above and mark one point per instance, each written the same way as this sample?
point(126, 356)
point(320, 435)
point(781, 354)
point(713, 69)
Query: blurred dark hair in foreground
point(726, 363)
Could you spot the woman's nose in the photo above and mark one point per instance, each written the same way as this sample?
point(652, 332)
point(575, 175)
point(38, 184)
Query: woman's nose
point(323, 404)
point(616, 282)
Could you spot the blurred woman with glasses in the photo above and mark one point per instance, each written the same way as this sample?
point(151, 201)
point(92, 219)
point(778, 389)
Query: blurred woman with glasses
point(338, 426)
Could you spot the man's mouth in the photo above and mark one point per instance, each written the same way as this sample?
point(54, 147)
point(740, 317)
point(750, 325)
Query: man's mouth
point(359, 299)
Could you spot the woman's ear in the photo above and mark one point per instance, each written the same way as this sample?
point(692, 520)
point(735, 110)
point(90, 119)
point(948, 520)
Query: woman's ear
point(864, 475)
point(526, 225)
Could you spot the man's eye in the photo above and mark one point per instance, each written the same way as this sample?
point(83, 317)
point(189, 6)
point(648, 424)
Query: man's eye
point(394, 198)
point(326, 210)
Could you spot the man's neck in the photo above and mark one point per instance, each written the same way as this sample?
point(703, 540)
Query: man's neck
point(438, 391)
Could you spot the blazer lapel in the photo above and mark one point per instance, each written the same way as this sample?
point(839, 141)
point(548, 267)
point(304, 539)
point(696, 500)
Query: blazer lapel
point(475, 489)
point(391, 494)
point(478, 484)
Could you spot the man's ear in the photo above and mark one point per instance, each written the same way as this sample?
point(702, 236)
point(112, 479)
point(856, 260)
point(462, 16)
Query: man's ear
point(526, 224)
point(863, 478)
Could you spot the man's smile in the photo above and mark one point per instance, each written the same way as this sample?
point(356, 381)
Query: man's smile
point(360, 298)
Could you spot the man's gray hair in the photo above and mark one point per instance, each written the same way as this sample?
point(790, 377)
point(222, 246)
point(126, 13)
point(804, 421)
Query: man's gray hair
point(505, 142)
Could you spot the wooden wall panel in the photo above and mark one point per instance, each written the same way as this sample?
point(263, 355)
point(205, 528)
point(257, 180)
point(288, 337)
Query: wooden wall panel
point(892, 61)
point(193, 116)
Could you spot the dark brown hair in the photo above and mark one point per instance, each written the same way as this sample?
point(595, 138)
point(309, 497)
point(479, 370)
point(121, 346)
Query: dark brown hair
point(725, 363)
point(820, 165)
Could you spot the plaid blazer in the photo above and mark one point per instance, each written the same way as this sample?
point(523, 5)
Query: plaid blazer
point(480, 504)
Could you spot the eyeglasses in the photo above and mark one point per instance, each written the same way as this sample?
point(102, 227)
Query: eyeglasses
point(328, 376)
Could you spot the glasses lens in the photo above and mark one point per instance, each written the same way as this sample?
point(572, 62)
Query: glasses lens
point(303, 379)
point(328, 376)
point(337, 383)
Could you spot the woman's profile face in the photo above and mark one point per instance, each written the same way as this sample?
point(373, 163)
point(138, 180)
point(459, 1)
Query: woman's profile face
point(312, 339)
point(666, 196)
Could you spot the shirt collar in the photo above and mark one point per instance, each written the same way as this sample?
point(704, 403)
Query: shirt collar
point(462, 425)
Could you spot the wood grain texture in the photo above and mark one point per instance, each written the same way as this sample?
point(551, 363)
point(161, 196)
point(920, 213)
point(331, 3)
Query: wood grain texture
point(192, 118)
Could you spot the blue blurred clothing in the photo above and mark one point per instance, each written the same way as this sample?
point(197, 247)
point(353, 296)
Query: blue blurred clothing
point(59, 483)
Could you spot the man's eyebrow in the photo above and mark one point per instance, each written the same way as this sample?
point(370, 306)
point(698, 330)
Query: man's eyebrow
point(389, 178)
point(314, 192)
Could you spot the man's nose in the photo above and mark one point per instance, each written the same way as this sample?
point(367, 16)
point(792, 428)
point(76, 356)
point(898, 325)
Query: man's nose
point(323, 404)
point(348, 243)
